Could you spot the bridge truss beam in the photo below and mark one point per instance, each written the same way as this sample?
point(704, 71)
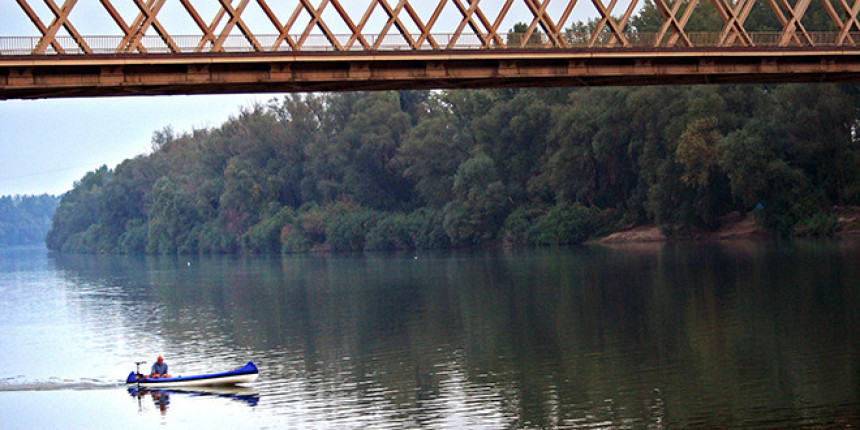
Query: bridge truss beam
point(394, 44)
point(479, 22)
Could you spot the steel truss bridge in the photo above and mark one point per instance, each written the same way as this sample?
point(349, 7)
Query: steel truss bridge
point(234, 46)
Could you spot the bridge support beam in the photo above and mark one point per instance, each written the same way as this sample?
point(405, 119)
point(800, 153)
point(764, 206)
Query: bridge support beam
point(144, 74)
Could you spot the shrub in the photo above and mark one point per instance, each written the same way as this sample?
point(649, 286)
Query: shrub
point(188, 243)
point(392, 232)
point(212, 238)
point(819, 224)
point(265, 236)
point(429, 230)
point(293, 240)
point(566, 223)
point(458, 224)
point(312, 221)
point(133, 240)
point(518, 225)
point(347, 232)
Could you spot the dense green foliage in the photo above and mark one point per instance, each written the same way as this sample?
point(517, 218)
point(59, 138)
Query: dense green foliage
point(409, 170)
point(25, 220)
point(422, 169)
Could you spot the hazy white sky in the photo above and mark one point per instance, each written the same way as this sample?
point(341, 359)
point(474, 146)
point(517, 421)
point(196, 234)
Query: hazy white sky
point(46, 145)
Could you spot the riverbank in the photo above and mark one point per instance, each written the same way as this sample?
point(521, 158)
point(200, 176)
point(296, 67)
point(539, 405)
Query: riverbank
point(732, 226)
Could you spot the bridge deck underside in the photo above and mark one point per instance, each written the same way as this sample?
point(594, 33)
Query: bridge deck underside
point(99, 75)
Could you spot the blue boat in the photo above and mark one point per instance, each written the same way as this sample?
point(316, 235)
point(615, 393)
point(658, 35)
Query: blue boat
point(239, 375)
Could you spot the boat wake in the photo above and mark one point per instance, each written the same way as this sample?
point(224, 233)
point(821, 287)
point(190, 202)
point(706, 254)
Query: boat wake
point(56, 384)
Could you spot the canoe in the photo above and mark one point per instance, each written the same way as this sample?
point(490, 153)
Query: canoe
point(240, 375)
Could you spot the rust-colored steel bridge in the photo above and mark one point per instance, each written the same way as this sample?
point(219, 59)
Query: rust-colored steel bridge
point(342, 45)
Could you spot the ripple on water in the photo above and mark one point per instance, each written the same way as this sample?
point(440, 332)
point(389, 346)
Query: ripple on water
point(57, 384)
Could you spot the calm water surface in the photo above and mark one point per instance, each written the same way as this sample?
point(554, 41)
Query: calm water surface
point(730, 335)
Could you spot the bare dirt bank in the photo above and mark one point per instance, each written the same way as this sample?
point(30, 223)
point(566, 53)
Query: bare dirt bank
point(733, 226)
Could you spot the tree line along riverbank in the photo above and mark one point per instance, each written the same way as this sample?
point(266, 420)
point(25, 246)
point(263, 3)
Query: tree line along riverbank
point(523, 167)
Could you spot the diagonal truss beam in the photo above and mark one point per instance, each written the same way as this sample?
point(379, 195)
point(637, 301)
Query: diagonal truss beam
point(42, 29)
point(850, 21)
point(734, 16)
point(425, 29)
point(538, 10)
point(316, 20)
point(147, 18)
point(356, 33)
point(235, 21)
point(208, 30)
point(393, 19)
point(492, 37)
point(127, 31)
point(503, 12)
point(674, 23)
point(62, 19)
point(282, 30)
point(791, 23)
point(492, 28)
point(615, 26)
point(49, 33)
point(845, 25)
point(356, 30)
point(284, 35)
point(468, 20)
point(553, 29)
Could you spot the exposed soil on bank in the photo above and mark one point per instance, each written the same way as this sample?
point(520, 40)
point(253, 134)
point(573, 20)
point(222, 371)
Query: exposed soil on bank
point(733, 226)
point(849, 221)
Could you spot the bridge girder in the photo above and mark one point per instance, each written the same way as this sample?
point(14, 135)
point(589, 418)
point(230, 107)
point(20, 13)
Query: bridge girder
point(52, 76)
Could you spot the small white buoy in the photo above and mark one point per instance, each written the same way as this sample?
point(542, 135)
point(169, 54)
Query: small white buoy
point(188, 263)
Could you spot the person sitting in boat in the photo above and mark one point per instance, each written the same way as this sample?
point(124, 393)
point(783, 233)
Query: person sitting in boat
point(159, 369)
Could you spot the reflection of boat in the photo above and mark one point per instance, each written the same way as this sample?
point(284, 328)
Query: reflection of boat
point(159, 397)
point(246, 373)
point(242, 394)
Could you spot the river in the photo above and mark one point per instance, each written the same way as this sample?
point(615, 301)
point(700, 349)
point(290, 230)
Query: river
point(726, 335)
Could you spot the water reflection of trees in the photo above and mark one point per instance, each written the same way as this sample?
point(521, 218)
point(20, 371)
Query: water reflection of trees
point(679, 334)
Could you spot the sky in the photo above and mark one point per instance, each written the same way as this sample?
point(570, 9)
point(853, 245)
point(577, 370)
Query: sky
point(46, 145)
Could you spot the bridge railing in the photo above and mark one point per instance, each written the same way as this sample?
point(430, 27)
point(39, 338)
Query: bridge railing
point(154, 44)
